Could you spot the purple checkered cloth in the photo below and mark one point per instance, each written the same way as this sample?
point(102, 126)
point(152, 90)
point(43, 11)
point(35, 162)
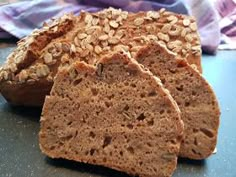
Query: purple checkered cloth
point(19, 19)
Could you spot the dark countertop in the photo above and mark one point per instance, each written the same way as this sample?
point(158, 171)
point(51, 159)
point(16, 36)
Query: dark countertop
point(19, 126)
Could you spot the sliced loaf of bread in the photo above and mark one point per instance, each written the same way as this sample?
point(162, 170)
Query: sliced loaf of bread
point(88, 37)
point(115, 115)
point(194, 96)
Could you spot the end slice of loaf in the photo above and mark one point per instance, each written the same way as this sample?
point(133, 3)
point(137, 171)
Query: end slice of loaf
point(194, 96)
point(115, 115)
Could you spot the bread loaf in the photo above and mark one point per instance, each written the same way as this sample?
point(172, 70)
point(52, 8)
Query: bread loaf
point(88, 37)
point(194, 96)
point(115, 115)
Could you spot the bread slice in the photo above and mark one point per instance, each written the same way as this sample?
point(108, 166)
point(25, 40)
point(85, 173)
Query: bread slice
point(194, 96)
point(88, 37)
point(115, 115)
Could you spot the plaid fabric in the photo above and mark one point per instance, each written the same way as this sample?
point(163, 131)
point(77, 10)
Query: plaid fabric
point(20, 18)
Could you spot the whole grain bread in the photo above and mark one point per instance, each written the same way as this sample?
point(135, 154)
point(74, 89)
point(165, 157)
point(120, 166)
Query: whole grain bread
point(194, 96)
point(115, 115)
point(88, 37)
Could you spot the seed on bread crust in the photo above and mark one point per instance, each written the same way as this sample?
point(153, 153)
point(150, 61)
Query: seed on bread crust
point(98, 49)
point(172, 19)
point(47, 58)
point(153, 14)
point(42, 70)
point(82, 35)
point(186, 22)
point(175, 31)
point(23, 75)
point(163, 37)
point(166, 28)
point(113, 40)
point(103, 37)
point(138, 21)
point(193, 26)
point(113, 24)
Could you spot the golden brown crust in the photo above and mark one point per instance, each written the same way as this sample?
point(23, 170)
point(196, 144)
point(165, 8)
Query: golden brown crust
point(27, 94)
point(194, 96)
point(88, 37)
point(140, 141)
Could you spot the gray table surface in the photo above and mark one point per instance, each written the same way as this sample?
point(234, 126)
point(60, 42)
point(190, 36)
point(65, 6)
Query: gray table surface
point(20, 155)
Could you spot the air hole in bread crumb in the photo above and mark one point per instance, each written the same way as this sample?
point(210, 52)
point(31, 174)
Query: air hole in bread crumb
point(133, 85)
point(195, 152)
point(141, 117)
point(142, 95)
point(68, 137)
point(108, 104)
point(132, 169)
point(76, 133)
point(207, 132)
point(121, 153)
point(150, 122)
point(194, 93)
point(92, 134)
point(130, 149)
point(187, 104)
point(149, 144)
point(126, 108)
point(91, 152)
point(48, 128)
point(94, 91)
point(130, 126)
point(163, 80)
point(104, 159)
point(77, 81)
point(111, 96)
point(151, 62)
point(52, 148)
point(162, 111)
point(168, 111)
point(195, 130)
point(213, 103)
point(151, 94)
point(140, 163)
point(107, 141)
point(97, 113)
point(195, 141)
point(180, 88)
point(126, 83)
point(69, 123)
point(173, 141)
